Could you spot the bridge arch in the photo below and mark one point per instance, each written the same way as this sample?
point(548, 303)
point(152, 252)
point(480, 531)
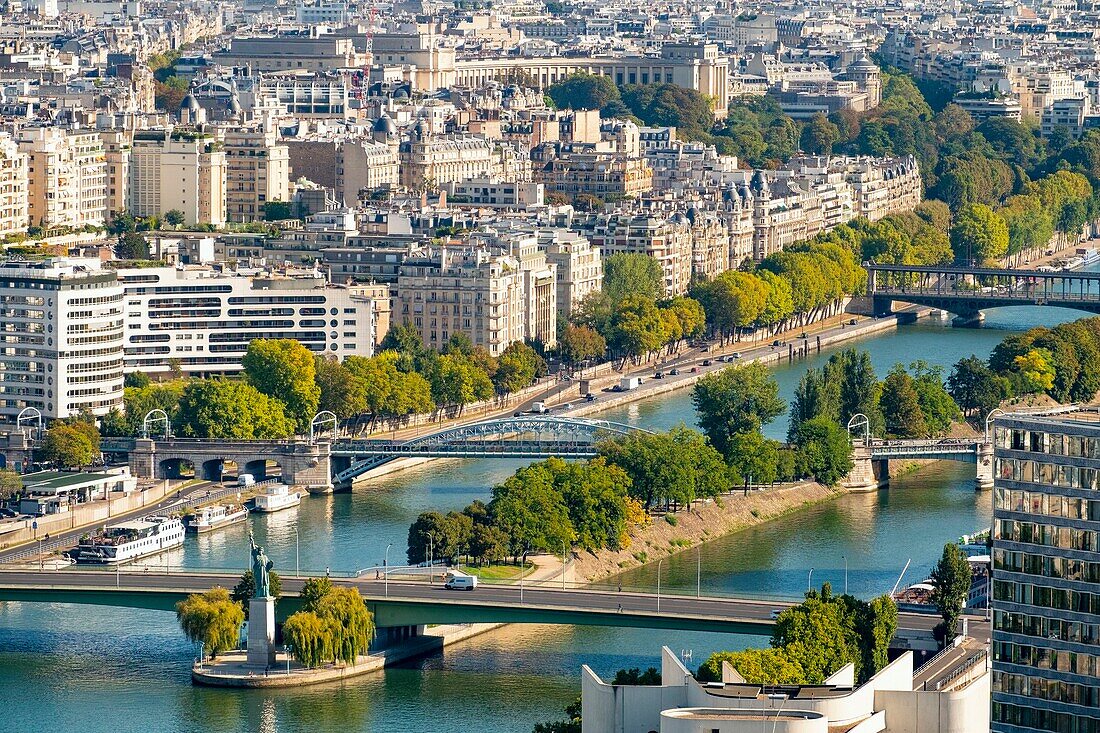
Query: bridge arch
point(176, 467)
point(570, 432)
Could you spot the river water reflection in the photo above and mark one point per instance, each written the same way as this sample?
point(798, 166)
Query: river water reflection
point(70, 669)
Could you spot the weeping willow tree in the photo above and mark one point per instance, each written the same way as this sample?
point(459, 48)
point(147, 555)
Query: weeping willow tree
point(337, 627)
point(212, 618)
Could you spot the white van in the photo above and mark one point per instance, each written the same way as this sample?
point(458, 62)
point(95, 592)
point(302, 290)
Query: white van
point(246, 479)
point(540, 408)
point(458, 580)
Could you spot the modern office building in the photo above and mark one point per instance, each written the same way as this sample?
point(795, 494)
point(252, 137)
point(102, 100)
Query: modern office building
point(61, 336)
point(1046, 573)
point(205, 318)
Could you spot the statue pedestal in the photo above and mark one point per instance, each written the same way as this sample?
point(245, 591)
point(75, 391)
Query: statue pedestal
point(261, 632)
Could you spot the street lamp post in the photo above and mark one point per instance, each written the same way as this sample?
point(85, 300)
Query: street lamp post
point(809, 580)
point(563, 551)
point(659, 563)
point(386, 570)
point(698, 572)
point(286, 651)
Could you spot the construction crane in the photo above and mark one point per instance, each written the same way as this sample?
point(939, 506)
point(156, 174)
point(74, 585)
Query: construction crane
point(368, 47)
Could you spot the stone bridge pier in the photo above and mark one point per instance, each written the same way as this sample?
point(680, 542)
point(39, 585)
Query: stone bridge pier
point(867, 474)
point(16, 451)
point(300, 462)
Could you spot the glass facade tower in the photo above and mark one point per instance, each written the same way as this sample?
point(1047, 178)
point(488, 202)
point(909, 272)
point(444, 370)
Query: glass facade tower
point(1046, 573)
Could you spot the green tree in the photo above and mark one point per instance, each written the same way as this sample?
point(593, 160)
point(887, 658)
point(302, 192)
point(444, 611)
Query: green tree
point(900, 405)
point(936, 404)
point(309, 637)
point(595, 495)
point(584, 91)
point(819, 635)
point(222, 408)
point(950, 587)
point(285, 370)
point(571, 723)
point(532, 512)
point(459, 382)
point(342, 393)
point(819, 135)
point(174, 217)
point(978, 235)
point(132, 246)
point(756, 666)
point(876, 623)
point(637, 328)
point(212, 618)
point(313, 590)
point(629, 274)
point(69, 446)
point(975, 387)
point(350, 623)
point(635, 676)
point(277, 211)
point(824, 450)
point(578, 343)
point(736, 400)
point(11, 484)
point(753, 457)
point(516, 368)
point(1036, 371)
point(245, 589)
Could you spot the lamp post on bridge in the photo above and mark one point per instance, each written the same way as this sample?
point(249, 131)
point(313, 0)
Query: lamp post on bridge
point(386, 570)
point(989, 423)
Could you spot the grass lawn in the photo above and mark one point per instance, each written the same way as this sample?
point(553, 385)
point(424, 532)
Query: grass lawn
point(498, 572)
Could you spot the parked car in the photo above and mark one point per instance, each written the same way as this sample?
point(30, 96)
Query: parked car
point(659, 375)
point(590, 397)
point(851, 321)
point(777, 342)
point(694, 370)
point(673, 372)
point(517, 414)
point(707, 362)
point(736, 355)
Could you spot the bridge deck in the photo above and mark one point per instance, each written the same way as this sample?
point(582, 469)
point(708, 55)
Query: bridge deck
point(412, 603)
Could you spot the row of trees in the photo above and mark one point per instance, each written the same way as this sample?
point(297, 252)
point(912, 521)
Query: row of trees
point(545, 507)
point(285, 385)
point(735, 404)
point(1062, 362)
point(913, 403)
point(814, 639)
point(334, 624)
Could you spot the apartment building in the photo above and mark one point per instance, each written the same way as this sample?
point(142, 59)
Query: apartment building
point(116, 149)
point(205, 318)
point(13, 188)
point(665, 239)
point(429, 160)
point(61, 338)
point(605, 175)
point(469, 291)
point(257, 171)
point(67, 176)
point(1046, 573)
point(178, 169)
point(578, 264)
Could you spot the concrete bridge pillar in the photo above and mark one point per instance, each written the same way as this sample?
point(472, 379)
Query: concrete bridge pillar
point(984, 478)
point(143, 458)
point(867, 474)
point(16, 451)
point(386, 637)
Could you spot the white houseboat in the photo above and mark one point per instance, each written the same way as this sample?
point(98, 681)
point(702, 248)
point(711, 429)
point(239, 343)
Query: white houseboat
point(131, 540)
point(277, 497)
point(209, 518)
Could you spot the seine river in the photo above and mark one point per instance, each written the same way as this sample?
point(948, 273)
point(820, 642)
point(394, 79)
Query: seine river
point(85, 669)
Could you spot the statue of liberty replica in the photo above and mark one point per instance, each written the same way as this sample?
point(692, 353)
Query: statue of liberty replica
point(261, 610)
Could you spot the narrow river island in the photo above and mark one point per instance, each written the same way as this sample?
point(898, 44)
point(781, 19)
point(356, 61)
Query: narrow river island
point(69, 669)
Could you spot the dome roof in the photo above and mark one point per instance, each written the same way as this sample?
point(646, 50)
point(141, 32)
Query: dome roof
point(190, 104)
point(864, 63)
point(385, 124)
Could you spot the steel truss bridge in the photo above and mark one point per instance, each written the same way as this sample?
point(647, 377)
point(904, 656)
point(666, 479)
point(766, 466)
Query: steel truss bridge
point(956, 449)
point(533, 437)
point(968, 291)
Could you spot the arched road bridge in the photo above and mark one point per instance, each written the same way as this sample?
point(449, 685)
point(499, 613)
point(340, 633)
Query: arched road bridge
point(323, 462)
point(526, 436)
point(871, 458)
point(968, 291)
